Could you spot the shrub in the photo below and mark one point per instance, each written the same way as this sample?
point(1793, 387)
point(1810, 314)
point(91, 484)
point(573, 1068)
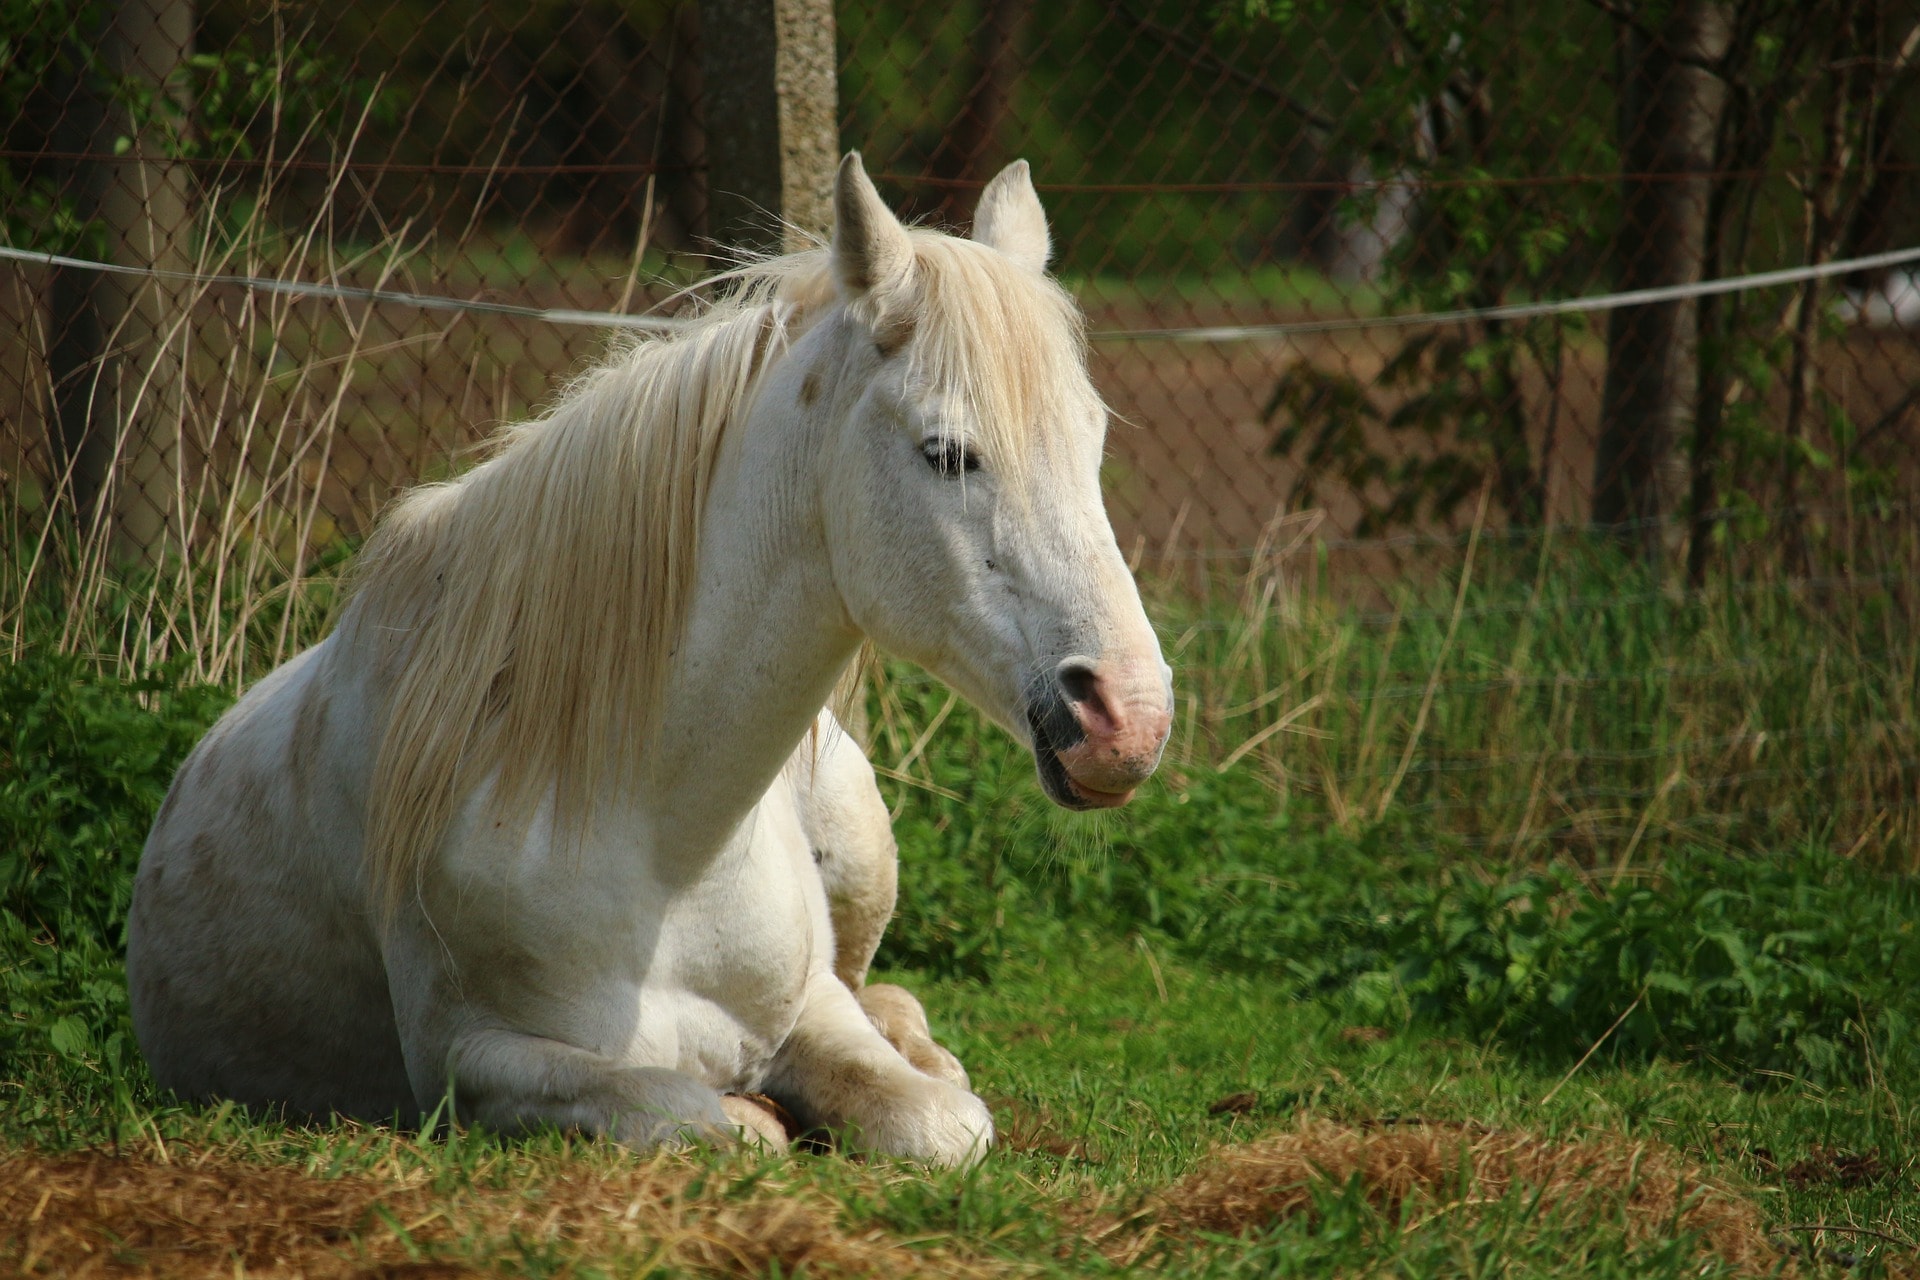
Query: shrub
point(84, 762)
point(1799, 963)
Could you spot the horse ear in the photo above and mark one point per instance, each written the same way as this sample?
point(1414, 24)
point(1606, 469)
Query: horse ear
point(1009, 218)
point(871, 252)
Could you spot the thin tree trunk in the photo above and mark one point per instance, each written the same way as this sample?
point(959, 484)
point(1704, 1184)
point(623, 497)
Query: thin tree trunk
point(115, 361)
point(1749, 124)
point(1522, 488)
point(1670, 110)
point(976, 143)
point(1824, 229)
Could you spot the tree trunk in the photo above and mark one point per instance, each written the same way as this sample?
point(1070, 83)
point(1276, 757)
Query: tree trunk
point(115, 358)
point(1669, 117)
point(772, 120)
point(975, 144)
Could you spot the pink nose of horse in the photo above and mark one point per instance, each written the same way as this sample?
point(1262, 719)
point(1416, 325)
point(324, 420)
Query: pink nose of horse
point(1124, 712)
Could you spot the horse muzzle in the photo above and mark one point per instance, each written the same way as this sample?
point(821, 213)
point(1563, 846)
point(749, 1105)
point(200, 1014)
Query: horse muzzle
point(1098, 731)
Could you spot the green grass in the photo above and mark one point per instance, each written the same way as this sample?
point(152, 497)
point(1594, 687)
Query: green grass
point(1102, 1059)
point(1556, 853)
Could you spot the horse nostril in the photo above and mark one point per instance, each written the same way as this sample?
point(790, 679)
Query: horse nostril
point(1078, 681)
point(1082, 688)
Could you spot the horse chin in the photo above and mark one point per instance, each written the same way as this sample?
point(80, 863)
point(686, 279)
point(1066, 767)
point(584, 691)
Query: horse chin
point(1063, 790)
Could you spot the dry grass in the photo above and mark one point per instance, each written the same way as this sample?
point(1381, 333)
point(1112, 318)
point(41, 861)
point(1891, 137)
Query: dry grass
point(212, 1212)
point(1421, 1174)
point(202, 1211)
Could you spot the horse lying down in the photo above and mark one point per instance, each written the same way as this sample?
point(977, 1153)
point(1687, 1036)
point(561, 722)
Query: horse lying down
point(535, 827)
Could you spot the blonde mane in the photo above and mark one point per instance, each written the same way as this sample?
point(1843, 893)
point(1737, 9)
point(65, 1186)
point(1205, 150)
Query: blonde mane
point(525, 613)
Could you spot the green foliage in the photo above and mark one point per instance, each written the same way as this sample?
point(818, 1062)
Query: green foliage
point(1459, 112)
point(230, 102)
point(84, 762)
point(1797, 964)
point(38, 53)
point(1419, 441)
point(1619, 800)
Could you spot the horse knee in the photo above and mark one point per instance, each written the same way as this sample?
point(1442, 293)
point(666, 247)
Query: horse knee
point(660, 1107)
point(517, 1083)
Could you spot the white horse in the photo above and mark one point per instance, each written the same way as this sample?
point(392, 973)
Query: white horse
point(538, 822)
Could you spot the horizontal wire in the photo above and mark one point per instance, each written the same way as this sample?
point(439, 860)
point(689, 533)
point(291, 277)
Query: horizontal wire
point(1516, 310)
point(1201, 333)
point(1706, 824)
point(1415, 686)
point(1258, 186)
point(1905, 768)
point(1570, 814)
point(352, 293)
point(1521, 762)
point(1383, 618)
point(1521, 535)
point(1688, 748)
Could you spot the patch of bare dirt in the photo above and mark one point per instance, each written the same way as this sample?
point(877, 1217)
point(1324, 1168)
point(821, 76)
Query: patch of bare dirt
point(1021, 1126)
point(1826, 1166)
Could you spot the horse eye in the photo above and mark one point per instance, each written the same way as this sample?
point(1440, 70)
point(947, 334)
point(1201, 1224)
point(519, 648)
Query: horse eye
point(949, 456)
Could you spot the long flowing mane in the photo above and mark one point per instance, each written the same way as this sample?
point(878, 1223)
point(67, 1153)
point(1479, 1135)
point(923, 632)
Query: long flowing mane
point(524, 614)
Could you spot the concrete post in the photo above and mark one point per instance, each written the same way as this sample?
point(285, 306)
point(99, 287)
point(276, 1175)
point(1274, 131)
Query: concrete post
point(772, 119)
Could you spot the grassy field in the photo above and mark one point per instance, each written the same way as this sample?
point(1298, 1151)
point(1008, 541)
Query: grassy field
point(1542, 922)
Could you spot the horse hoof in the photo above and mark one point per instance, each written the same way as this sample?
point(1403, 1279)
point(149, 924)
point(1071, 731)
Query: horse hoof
point(762, 1122)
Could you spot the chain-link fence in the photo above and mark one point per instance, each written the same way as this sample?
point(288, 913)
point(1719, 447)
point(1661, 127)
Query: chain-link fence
point(1205, 167)
point(1249, 198)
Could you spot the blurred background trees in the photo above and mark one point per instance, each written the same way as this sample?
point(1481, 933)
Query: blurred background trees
point(1246, 161)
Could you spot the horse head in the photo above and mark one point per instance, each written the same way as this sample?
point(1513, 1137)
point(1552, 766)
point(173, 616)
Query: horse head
point(963, 508)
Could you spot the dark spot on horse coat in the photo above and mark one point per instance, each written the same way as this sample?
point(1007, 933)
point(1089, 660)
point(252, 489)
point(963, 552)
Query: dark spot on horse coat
point(310, 721)
point(251, 803)
point(208, 883)
point(309, 725)
point(762, 341)
point(895, 334)
point(810, 388)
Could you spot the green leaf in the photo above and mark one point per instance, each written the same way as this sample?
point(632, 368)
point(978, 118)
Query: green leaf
point(68, 1036)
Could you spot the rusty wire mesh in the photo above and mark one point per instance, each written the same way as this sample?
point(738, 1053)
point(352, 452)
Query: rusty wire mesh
point(1203, 166)
point(524, 154)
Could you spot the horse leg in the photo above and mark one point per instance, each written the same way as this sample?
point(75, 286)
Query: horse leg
point(836, 1071)
point(514, 1083)
point(851, 833)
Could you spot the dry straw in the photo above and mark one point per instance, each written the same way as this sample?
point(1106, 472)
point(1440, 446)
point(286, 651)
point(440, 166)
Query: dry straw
point(206, 1213)
point(1419, 1174)
point(204, 1210)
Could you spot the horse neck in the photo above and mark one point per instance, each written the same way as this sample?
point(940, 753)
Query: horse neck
point(766, 636)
